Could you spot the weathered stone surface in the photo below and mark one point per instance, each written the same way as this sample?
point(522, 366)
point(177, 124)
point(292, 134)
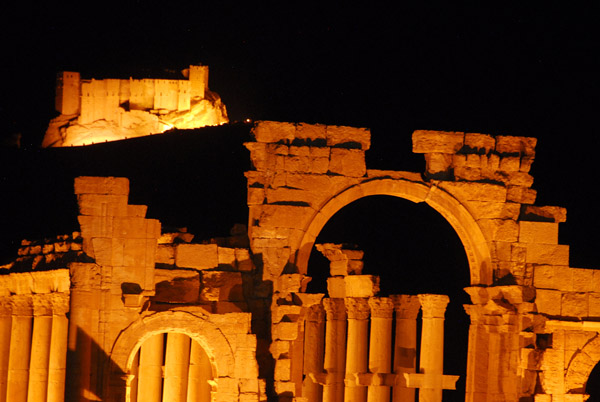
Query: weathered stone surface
point(361, 285)
point(438, 163)
point(553, 214)
point(437, 141)
point(272, 131)
point(548, 254)
point(199, 256)
point(522, 195)
point(101, 185)
point(515, 145)
point(311, 131)
point(574, 304)
point(466, 191)
point(480, 143)
point(347, 162)
point(221, 286)
point(538, 232)
point(548, 301)
point(342, 135)
point(176, 286)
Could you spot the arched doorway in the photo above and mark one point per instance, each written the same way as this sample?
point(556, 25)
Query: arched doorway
point(169, 367)
point(413, 249)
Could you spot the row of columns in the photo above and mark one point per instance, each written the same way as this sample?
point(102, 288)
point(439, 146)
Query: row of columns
point(33, 347)
point(186, 367)
point(357, 363)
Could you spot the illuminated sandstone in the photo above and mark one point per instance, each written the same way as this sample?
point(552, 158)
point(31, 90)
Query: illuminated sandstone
point(123, 312)
point(93, 111)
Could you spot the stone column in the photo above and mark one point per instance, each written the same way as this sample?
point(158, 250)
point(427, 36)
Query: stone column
point(57, 362)
point(150, 371)
point(177, 361)
point(37, 390)
point(432, 347)
point(20, 348)
point(356, 350)
point(5, 329)
point(405, 345)
point(380, 347)
point(335, 350)
point(199, 374)
point(314, 329)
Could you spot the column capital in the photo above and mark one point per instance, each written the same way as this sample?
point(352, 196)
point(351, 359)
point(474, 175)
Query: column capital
point(42, 304)
point(381, 307)
point(357, 308)
point(434, 306)
point(315, 313)
point(335, 309)
point(22, 305)
point(5, 306)
point(60, 303)
point(406, 306)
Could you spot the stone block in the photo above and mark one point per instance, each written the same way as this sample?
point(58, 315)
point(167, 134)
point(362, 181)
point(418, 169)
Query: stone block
point(289, 283)
point(221, 286)
point(165, 254)
point(526, 162)
point(297, 164)
point(554, 214)
point(226, 256)
point(510, 163)
point(101, 185)
point(137, 211)
point(319, 165)
point(243, 260)
point(538, 232)
point(285, 312)
point(574, 304)
point(361, 286)
point(249, 385)
point(103, 204)
point(446, 142)
point(522, 195)
point(554, 254)
point(347, 162)
point(438, 163)
point(128, 227)
point(198, 256)
point(543, 277)
point(342, 135)
point(594, 305)
point(336, 287)
point(467, 173)
point(480, 143)
point(583, 280)
point(286, 331)
point(279, 348)
point(283, 368)
point(312, 132)
point(548, 301)
point(272, 131)
point(506, 230)
point(283, 216)
point(248, 397)
point(493, 210)
point(515, 145)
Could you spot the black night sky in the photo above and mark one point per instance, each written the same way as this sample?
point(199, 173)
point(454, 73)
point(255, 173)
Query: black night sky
point(529, 70)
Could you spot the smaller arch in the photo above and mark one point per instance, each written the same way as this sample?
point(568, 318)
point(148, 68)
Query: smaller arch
point(581, 365)
point(194, 325)
point(450, 208)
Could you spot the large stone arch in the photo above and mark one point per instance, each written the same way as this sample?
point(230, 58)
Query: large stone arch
point(195, 325)
point(450, 208)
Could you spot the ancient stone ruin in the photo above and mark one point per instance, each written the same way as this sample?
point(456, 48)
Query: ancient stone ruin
point(124, 311)
point(100, 110)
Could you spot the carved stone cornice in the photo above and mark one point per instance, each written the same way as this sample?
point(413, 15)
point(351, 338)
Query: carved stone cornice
point(315, 313)
point(60, 303)
point(406, 306)
point(357, 308)
point(42, 304)
point(335, 309)
point(433, 306)
point(381, 307)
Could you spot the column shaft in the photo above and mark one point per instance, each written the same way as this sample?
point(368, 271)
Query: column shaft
point(380, 345)
point(432, 345)
point(40, 357)
point(357, 349)
point(20, 349)
point(405, 344)
point(57, 365)
point(199, 374)
point(314, 329)
point(150, 371)
point(177, 360)
point(5, 329)
point(335, 349)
